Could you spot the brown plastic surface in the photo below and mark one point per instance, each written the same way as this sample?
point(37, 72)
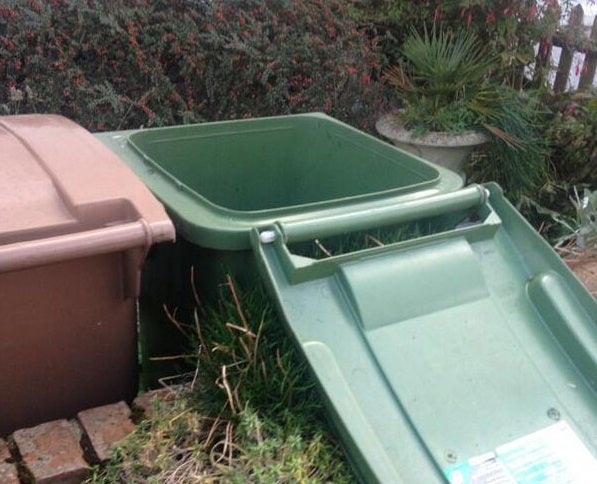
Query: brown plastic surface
point(75, 225)
point(58, 179)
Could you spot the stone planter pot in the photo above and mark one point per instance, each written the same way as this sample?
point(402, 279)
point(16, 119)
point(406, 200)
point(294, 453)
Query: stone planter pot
point(442, 148)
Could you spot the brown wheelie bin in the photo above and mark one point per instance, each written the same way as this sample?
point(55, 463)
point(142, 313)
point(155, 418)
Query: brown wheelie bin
point(75, 227)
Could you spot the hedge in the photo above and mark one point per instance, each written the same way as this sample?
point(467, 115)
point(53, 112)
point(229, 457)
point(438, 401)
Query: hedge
point(117, 64)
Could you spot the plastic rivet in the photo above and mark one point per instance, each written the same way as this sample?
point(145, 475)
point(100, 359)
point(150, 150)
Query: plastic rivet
point(451, 456)
point(267, 236)
point(553, 413)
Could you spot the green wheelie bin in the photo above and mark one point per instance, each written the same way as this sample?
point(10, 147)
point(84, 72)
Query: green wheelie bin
point(220, 180)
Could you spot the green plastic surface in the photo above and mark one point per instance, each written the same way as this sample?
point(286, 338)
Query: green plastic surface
point(442, 348)
point(220, 180)
point(429, 351)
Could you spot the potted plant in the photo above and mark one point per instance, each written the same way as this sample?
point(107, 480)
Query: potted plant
point(448, 105)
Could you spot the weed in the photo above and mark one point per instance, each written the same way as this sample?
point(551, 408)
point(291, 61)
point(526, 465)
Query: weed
point(251, 412)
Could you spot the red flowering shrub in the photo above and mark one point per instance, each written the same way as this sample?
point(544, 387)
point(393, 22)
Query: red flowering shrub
point(509, 29)
point(117, 64)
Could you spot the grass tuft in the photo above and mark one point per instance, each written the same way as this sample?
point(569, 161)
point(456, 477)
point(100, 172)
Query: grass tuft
point(249, 413)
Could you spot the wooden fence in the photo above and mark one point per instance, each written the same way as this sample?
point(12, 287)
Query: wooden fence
point(571, 39)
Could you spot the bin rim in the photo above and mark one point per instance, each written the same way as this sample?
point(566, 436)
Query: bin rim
point(74, 190)
point(203, 223)
point(286, 209)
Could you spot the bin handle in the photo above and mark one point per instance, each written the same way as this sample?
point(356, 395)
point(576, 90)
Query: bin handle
point(23, 255)
point(300, 231)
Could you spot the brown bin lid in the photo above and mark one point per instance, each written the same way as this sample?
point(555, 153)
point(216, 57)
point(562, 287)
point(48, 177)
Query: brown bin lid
point(61, 187)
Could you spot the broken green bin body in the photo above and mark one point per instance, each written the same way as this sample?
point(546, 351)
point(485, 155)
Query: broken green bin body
point(220, 180)
point(468, 349)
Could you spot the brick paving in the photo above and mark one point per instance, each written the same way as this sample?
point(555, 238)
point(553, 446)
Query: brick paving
point(106, 425)
point(63, 451)
point(8, 470)
point(585, 269)
point(144, 402)
point(51, 452)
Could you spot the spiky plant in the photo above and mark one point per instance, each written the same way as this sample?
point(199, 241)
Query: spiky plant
point(444, 84)
point(441, 75)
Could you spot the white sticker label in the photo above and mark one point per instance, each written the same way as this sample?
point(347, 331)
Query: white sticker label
point(554, 455)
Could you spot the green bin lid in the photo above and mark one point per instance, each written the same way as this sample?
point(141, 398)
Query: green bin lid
point(470, 351)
